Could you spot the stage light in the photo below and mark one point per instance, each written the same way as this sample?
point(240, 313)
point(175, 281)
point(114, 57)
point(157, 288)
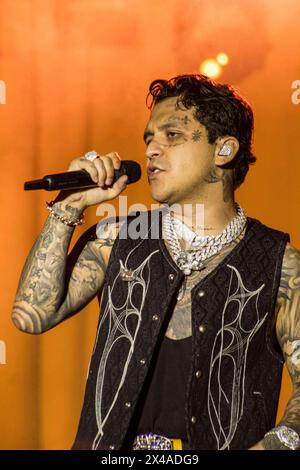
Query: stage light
point(222, 58)
point(210, 68)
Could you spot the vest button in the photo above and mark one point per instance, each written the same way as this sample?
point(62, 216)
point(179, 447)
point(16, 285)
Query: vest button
point(201, 293)
point(193, 419)
point(171, 277)
point(202, 328)
point(128, 404)
point(198, 374)
point(112, 447)
point(155, 317)
point(143, 362)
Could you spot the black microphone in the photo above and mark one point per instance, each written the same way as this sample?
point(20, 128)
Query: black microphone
point(81, 179)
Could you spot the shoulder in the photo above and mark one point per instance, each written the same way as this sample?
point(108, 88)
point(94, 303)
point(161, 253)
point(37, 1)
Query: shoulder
point(273, 232)
point(291, 258)
point(290, 271)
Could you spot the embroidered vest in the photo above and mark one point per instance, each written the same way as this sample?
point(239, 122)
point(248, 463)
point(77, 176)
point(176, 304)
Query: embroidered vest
point(235, 371)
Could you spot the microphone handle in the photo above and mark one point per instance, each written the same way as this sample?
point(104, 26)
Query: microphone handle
point(68, 180)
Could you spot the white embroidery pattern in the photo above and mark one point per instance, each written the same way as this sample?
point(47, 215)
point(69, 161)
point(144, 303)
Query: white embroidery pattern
point(118, 331)
point(231, 344)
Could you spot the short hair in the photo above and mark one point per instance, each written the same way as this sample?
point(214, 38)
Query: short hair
point(218, 107)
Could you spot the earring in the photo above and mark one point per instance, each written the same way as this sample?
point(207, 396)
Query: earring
point(225, 151)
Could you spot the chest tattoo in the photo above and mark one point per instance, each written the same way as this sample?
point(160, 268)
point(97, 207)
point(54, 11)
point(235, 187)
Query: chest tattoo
point(180, 324)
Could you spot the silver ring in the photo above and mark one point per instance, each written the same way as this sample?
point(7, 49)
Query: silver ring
point(91, 155)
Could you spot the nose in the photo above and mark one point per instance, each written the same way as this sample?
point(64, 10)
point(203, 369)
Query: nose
point(153, 150)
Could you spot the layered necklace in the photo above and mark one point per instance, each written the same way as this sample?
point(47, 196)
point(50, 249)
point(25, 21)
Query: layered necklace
point(199, 248)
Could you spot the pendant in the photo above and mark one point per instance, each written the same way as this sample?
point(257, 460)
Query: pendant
point(127, 274)
point(182, 290)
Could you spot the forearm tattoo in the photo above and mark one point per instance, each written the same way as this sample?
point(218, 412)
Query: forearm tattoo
point(288, 330)
point(41, 283)
point(49, 289)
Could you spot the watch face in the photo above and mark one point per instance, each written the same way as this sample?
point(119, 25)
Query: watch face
point(288, 437)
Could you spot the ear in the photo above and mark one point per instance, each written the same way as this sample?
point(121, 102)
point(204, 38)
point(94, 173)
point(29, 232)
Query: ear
point(225, 150)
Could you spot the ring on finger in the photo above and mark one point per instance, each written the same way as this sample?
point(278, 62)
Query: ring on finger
point(91, 155)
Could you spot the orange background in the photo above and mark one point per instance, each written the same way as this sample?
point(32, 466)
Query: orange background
point(77, 74)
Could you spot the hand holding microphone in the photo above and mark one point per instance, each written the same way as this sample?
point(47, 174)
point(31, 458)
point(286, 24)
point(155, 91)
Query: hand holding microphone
point(94, 179)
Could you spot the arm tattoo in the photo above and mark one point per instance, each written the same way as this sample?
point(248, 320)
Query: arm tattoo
point(41, 286)
point(55, 285)
point(85, 280)
point(288, 330)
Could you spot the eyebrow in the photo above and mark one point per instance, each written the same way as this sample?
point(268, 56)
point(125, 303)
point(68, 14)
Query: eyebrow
point(167, 125)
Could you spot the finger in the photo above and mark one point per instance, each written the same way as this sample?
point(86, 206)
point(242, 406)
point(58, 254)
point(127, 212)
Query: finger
point(101, 171)
point(83, 164)
point(120, 184)
point(122, 180)
point(116, 159)
point(117, 188)
point(107, 162)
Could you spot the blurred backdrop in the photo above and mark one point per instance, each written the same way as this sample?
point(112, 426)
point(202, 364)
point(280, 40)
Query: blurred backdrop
point(75, 76)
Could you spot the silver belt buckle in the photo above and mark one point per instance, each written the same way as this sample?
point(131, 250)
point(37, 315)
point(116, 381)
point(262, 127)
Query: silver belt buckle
point(152, 442)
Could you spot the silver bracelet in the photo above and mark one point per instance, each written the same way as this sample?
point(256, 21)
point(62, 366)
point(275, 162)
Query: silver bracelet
point(65, 220)
point(286, 436)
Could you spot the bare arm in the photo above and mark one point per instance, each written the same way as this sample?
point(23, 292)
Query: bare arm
point(288, 335)
point(288, 332)
point(53, 285)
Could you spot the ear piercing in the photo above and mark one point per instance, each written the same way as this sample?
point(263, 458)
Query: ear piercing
point(225, 151)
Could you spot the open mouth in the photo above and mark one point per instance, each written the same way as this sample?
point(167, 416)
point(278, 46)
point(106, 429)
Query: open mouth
point(153, 171)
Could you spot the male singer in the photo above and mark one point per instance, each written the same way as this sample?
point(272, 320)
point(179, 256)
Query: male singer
point(194, 328)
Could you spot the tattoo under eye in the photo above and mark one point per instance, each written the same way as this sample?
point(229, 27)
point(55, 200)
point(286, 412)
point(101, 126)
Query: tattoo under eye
point(196, 135)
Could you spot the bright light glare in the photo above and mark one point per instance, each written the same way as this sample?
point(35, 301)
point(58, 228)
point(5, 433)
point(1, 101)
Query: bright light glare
point(210, 68)
point(222, 58)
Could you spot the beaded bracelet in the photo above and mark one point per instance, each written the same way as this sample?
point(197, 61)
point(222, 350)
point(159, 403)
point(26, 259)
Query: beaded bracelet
point(65, 220)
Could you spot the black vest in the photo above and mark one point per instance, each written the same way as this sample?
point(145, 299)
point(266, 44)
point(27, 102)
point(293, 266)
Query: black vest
point(236, 365)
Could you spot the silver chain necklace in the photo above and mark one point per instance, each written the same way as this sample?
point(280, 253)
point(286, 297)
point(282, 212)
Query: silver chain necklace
point(200, 248)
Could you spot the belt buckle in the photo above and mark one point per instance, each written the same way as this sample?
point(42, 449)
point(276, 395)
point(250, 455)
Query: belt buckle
point(152, 442)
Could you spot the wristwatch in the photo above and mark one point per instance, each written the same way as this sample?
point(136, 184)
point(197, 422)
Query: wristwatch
point(288, 438)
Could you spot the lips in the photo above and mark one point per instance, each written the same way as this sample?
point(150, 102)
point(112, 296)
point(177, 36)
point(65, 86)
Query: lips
point(154, 170)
